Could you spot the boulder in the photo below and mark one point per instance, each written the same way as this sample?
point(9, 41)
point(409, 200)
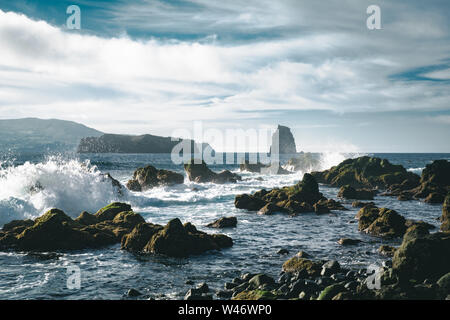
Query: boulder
point(360, 204)
point(302, 265)
point(174, 239)
point(422, 255)
point(434, 182)
point(225, 222)
point(386, 250)
point(348, 192)
point(381, 222)
point(111, 210)
point(199, 172)
point(150, 177)
point(249, 202)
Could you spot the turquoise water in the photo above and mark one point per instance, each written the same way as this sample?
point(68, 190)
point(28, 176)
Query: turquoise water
point(74, 183)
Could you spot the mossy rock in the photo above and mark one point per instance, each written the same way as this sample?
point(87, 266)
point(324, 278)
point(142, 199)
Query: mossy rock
point(331, 291)
point(298, 264)
point(111, 210)
point(255, 295)
point(85, 218)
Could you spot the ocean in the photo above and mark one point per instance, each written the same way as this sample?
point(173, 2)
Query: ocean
point(74, 183)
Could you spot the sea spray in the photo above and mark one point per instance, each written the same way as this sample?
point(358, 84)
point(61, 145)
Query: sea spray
point(28, 190)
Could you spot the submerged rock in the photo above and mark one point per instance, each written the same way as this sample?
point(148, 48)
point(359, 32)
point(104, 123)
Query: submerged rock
point(200, 173)
point(150, 177)
point(348, 241)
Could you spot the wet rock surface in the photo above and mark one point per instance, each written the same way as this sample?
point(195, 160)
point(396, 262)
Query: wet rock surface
point(150, 177)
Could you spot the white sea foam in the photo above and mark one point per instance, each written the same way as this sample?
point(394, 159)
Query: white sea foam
point(416, 170)
point(27, 190)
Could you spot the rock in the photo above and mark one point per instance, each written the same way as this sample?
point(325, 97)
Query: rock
point(332, 265)
point(381, 222)
point(331, 291)
point(435, 197)
point(331, 204)
point(434, 182)
point(251, 167)
point(422, 255)
point(203, 287)
point(272, 168)
point(348, 192)
point(320, 209)
point(360, 204)
point(444, 283)
point(115, 183)
point(55, 231)
point(249, 202)
point(348, 241)
point(199, 172)
point(367, 172)
point(196, 294)
point(150, 177)
point(283, 141)
point(271, 208)
point(386, 250)
point(87, 219)
point(255, 295)
point(133, 293)
point(111, 210)
point(260, 280)
point(225, 222)
point(17, 226)
point(295, 199)
point(297, 264)
point(283, 251)
point(179, 240)
point(138, 238)
point(445, 226)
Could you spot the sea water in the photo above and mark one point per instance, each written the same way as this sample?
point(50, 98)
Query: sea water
point(30, 184)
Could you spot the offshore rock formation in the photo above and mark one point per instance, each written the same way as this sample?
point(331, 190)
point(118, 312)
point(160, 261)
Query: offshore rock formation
point(115, 223)
point(149, 177)
point(283, 141)
point(117, 143)
point(385, 223)
point(200, 173)
point(367, 172)
point(174, 239)
point(299, 198)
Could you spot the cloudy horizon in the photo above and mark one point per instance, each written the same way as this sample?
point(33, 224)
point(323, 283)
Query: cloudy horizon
point(156, 67)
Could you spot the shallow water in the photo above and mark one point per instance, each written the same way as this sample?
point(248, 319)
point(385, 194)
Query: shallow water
point(74, 183)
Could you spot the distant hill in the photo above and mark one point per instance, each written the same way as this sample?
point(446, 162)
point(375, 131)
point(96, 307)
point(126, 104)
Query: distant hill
point(37, 135)
point(118, 143)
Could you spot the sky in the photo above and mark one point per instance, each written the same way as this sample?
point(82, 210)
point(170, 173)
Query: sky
point(159, 67)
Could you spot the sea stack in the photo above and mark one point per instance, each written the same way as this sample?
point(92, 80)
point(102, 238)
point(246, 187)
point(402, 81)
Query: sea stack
point(283, 141)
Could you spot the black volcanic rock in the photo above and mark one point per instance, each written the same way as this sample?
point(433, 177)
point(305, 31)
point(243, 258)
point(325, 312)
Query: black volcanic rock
point(116, 143)
point(283, 141)
point(200, 173)
point(149, 177)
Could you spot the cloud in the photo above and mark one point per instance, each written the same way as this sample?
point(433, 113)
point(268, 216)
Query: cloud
point(296, 59)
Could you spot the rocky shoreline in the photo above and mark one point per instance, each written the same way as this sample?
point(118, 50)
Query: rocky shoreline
point(418, 269)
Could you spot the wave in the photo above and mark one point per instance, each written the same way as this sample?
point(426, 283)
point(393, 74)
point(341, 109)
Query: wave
point(29, 189)
point(416, 170)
